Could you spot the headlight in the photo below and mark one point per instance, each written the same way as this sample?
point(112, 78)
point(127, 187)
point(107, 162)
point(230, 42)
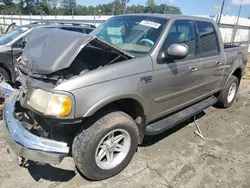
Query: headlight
point(58, 105)
point(50, 104)
point(39, 99)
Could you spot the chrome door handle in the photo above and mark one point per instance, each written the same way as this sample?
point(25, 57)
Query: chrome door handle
point(193, 69)
point(218, 63)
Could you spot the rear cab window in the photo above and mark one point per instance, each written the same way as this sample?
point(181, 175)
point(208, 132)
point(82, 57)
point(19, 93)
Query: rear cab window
point(209, 44)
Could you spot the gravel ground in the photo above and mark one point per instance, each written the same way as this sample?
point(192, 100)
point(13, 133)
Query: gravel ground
point(173, 159)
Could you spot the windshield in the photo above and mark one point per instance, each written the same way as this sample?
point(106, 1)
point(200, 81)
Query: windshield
point(136, 34)
point(8, 37)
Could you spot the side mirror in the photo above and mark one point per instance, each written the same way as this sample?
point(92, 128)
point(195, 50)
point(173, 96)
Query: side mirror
point(177, 51)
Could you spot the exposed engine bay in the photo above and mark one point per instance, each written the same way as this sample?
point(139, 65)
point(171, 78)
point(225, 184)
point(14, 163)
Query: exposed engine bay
point(77, 54)
point(90, 58)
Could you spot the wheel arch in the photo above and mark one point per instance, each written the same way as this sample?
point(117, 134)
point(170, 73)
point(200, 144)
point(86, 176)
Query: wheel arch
point(132, 104)
point(237, 73)
point(135, 99)
point(3, 65)
point(238, 68)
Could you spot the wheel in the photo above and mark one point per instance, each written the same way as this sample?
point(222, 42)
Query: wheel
point(4, 76)
point(227, 96)
point(106, 147)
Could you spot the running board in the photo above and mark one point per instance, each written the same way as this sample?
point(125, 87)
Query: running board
point(170, 121)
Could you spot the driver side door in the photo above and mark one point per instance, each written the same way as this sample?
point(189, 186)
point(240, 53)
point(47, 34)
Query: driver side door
point(176, 82)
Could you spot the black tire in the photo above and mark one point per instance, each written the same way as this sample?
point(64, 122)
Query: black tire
point(86, 142)
point(223, 96)
point(5, 74)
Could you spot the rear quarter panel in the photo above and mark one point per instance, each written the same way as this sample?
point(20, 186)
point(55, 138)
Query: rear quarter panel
point(235, 58)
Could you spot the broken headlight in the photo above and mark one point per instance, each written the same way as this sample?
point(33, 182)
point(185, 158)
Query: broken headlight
point(50, 103)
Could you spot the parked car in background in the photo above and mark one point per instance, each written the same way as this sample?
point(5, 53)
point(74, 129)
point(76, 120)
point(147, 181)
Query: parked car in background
point(96, 96)
point(8, 29)
point(13, 42)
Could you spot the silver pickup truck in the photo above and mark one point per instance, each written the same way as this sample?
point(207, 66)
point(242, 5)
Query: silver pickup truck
point(94, 97)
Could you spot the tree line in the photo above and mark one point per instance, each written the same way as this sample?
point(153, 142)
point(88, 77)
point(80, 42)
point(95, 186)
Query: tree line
point(70, 7)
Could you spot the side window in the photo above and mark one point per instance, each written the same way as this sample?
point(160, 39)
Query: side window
point(208, 38)
point(182, 32)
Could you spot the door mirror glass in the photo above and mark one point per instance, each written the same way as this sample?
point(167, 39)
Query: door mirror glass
point(177, 51)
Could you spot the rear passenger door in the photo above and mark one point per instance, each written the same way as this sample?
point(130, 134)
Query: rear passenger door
point(211, 57)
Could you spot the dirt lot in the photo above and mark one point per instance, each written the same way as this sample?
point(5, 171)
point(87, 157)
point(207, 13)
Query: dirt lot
point(173, 159)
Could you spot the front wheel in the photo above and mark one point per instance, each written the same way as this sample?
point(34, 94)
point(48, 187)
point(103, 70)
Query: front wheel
point(4, 76)
point(106, 147)
point(228, 95)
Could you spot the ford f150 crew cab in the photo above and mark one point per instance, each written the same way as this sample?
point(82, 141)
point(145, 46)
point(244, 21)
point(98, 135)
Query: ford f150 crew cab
point(95, 96)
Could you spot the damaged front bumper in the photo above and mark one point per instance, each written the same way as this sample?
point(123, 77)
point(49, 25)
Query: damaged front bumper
point(21, 141)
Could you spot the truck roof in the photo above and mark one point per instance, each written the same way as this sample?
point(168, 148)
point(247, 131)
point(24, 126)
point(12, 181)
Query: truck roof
point(169, 16)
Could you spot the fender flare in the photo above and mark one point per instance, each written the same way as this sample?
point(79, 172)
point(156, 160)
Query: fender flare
point(115, 97)
point(238, 66)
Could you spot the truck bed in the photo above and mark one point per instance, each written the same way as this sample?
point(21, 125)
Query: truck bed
point(236, 48)
point(226, 46)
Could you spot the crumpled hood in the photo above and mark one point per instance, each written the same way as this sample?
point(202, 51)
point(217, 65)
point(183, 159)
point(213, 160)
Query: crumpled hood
point(50, 50)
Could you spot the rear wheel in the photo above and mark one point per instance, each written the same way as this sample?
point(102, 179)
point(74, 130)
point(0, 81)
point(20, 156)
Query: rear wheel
point(228, 95)
point(106, 147)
